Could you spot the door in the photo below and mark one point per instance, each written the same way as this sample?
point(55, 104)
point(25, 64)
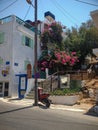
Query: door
point(29, 71)
point(1, 89)
point(22, 85)
point(6, 89)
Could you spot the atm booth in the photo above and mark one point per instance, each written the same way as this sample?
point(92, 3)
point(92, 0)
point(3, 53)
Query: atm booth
point(22, 87)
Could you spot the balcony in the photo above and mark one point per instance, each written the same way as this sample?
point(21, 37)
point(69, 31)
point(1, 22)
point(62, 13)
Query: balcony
point(28, 24)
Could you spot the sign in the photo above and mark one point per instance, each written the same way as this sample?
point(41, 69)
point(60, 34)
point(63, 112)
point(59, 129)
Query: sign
point(23, 83)
point(65, 81)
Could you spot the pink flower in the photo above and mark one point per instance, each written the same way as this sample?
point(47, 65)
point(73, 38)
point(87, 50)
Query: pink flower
point(63, 61)
point(42, 69)
point(73, 53)
point(44, 63)
point(68, 58)
point(58, 56)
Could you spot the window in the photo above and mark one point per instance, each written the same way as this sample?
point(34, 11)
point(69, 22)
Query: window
point(27, 41)
point(1, 37)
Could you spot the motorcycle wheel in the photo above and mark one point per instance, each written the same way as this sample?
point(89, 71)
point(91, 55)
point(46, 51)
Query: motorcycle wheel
point(47, 102)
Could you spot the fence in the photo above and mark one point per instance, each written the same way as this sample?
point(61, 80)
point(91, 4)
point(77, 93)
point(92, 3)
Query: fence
point(53, 81)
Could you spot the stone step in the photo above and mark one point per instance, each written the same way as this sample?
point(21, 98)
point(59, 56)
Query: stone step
point(30, 95)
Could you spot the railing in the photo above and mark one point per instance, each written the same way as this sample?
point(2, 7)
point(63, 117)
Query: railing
point(6, 19)
point(19, 21)
point(53, 81)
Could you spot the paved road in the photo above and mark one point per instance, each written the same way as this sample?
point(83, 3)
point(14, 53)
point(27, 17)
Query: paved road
point(16, 117)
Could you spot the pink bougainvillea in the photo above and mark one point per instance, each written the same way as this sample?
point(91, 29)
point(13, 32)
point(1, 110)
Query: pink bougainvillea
point(58, 57)
point(66, 59)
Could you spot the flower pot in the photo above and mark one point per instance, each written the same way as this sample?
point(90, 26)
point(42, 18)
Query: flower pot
point(64, 100)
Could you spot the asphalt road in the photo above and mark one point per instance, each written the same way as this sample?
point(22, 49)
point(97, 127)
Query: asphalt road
point(18, 117)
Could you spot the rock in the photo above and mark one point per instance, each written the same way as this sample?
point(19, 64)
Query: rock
point(91, 93)
point(95, 109)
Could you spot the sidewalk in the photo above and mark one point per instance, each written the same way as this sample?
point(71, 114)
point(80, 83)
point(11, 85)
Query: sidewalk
point(78, 108)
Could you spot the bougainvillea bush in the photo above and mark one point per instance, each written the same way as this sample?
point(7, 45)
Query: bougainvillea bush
point(54, 57)
point(57, 59)
point(52, 34)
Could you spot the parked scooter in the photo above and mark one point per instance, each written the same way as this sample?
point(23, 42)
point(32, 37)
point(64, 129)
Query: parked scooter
point(43, 97)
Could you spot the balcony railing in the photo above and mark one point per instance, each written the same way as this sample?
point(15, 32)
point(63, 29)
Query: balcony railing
point(19, 21)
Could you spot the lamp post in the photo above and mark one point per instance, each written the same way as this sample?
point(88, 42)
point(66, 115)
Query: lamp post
point(35, 50)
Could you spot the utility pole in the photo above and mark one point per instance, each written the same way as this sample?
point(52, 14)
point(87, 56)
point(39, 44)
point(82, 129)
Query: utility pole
point(35, 52)
point(35, 66)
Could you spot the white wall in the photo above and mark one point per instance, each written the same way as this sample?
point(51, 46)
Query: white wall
point(13, 51)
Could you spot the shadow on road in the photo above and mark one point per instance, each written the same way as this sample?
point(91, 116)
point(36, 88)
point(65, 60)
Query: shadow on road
point(18, 109)
point(15, 99)
point(14, 110)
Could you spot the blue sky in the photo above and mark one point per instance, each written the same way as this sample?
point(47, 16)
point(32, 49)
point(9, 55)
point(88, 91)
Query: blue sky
point(68, 12)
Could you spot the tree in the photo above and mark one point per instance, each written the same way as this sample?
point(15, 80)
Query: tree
point(51, 37)
point(82, 40)
point(56, 58)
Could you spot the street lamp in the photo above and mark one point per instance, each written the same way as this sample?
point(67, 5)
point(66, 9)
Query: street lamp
point(35, 51)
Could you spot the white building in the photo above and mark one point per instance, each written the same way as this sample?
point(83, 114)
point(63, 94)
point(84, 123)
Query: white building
point(94, 15)
point(16, 52)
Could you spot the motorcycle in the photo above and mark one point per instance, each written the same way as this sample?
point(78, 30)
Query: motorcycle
point(43, 97)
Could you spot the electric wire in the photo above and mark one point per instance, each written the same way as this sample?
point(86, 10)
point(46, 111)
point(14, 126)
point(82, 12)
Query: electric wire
point(2, 2)
point(58, 6)
point(86, 3)
point(8, 6)
point(67, 12)
point(27, 13)
point(24, 17)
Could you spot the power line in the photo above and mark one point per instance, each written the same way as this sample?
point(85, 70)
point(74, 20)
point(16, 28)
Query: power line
point(27, 12)
point(86, 3)
point(24, 16)
point(8, 6)
point(68, 12)
point(59, 7)
point(14, 3)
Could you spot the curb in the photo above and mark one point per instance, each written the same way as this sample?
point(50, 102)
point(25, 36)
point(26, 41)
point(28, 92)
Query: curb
point(30, 102)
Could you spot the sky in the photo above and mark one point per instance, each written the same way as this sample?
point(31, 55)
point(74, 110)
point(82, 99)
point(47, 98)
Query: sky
point(68, 12)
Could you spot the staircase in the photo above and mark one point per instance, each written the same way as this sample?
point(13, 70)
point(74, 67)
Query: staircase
point(51, 83)
point(46, 85)
point(30, 95)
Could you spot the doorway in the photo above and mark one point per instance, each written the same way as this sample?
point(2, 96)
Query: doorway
point(1, 89)
point(6, 89)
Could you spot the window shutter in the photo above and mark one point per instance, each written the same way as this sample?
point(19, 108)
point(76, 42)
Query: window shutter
point(1, 61)
point(31, 43)
point(1, 37)
point(23, 40)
